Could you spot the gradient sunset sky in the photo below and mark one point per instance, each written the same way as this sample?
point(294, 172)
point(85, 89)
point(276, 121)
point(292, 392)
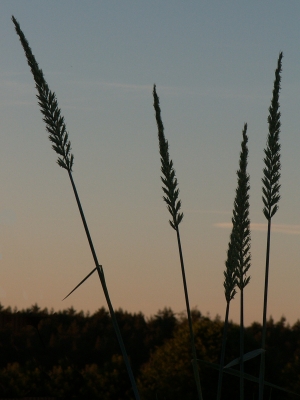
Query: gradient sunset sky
point(213, 64)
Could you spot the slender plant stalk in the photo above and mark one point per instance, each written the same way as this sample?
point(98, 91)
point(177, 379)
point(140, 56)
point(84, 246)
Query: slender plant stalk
point(55, 125)
point(241, 224)
point(230, 291)
point(238, 258)
point(270, 196)
point(171, 192)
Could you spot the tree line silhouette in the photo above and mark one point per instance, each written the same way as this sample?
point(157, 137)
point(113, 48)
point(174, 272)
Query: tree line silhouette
point(75, 355)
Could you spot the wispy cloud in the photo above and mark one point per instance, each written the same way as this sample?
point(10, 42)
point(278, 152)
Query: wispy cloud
point(279, 228)
point(5, 74)
point(222, 93)
point(128, 87)
point(13, 84)
point(197, 211)
point(111, 85)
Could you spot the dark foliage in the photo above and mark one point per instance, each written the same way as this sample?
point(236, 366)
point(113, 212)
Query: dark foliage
point(72, 355)
point(65, 352)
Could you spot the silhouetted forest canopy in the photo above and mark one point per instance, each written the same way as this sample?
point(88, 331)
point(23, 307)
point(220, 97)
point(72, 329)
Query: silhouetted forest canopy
point(75, 355)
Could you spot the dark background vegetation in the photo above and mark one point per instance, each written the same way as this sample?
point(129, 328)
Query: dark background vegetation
point(73, 355)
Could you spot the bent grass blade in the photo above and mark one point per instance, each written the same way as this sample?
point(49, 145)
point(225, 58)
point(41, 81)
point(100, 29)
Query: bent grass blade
point(79, 284)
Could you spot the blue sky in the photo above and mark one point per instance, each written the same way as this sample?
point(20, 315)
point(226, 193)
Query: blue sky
point(213, 64)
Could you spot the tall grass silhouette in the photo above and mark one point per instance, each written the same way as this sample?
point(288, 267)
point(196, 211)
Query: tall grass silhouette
point(270, 196)
point(241, 228)
point(171, 192)
point(238, 254)
point(58, 135)
point(238, 258)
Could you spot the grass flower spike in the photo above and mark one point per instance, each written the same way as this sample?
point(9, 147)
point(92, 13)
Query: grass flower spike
point(271, 195)
point(171, 192)
point(56, 127)
point(241, 228)
point(55, 124)
point(230, 280)
point(272, 168)
point(169, 179)
point(238, 257)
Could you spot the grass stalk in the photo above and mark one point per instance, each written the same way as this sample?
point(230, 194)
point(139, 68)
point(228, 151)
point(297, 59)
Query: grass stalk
point(230, 291)
point(270, 196)
point(241, 227)
point(222, 359)
point(56, 127)
point(171, 192)
point(238, 257)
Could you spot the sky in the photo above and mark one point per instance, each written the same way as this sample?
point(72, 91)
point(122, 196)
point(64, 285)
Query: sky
point(213, 65)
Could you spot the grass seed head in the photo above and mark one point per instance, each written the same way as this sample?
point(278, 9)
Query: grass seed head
point(272, 167)
point(169, 179)
point(230, 281)
point(240, 219)
point(55, 124)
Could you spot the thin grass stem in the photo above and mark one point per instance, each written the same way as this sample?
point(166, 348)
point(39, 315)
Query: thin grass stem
point(171, 192)
point(224, 339)
point(105, 290)
point(230, 282)
point(264, 330)
point(194, 360)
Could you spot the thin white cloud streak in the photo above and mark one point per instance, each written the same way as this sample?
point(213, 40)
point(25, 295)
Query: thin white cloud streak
point(17, 103)
point(112, 85)
point(20, 86)
point(12, 73)
point(128, 87)
point(171, 90)
point(278, 228)
point(190, 211)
